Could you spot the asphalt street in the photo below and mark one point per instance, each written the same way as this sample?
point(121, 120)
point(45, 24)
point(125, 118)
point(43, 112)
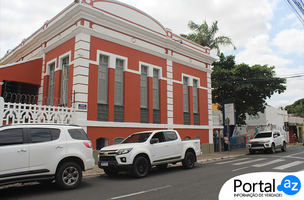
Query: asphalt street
point(202, 182)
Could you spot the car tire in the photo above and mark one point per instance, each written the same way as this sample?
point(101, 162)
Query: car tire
point(162, 167)
point(272, 149)
point(141, 167)
point(189, 160)
point(252, 151)
point(110, 172)
point(68, 175)
point(284, 148)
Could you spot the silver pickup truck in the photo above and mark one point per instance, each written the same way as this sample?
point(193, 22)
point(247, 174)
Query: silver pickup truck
point(140, 151)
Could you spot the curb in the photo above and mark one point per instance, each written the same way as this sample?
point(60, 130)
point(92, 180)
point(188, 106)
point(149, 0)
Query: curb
point(219, 158)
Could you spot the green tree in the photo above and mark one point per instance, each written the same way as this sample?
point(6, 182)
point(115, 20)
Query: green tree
point(247, 87)
point(205, 36)
point(297, 108)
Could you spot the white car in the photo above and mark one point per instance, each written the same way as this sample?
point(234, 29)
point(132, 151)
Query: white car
point(267, 141)
point(140, 151)
point(43, 153)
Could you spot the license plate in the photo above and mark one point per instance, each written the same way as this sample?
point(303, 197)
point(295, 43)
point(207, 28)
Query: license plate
point(104, 163)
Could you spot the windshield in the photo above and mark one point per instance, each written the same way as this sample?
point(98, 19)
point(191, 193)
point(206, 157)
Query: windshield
point(263, 135)
point(137, 138)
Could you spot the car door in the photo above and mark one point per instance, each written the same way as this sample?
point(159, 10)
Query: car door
point(175, 145)
point(276, 138)
point(159, 151)
point(14, 153)
point(47, 147)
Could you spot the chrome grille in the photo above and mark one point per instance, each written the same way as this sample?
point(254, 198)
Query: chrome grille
point(107, 153)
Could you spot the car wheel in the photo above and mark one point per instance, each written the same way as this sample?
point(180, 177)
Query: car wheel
point(68, 175)
point(272, 150)
point(252, 151)
point(110, 172)
point(141, 167)
point(162, 167)
point(189, 160)
point(284, 147)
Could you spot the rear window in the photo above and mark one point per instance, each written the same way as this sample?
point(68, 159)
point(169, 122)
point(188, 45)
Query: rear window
point(171, 136)
point(78, 134)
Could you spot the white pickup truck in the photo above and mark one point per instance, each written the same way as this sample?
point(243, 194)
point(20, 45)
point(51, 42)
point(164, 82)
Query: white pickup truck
point(140, 151)
point(267, 141)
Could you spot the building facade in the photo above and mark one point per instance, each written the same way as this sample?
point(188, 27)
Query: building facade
point(271, 119)
point(120, 70)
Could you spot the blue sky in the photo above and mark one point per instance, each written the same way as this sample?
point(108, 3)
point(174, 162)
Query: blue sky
point(264, 31)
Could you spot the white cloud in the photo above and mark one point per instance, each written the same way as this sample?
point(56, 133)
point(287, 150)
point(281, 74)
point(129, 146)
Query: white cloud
point(295, 87)
point(19, 19)
point(258, 51)
point(237, 19)
point(290, 41)
point(248, 23)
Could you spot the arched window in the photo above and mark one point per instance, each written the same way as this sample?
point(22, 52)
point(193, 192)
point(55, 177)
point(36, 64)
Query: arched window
point(101, 142)
point(187, 138)
point(118, 140)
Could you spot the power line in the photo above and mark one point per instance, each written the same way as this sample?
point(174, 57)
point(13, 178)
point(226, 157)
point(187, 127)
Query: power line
point(297, 6)
point(250, 80)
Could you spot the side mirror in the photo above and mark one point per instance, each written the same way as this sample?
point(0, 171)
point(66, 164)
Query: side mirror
point(154, 140)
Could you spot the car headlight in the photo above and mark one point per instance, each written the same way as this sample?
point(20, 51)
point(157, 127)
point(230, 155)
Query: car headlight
point(266, 141)
point(124, 151)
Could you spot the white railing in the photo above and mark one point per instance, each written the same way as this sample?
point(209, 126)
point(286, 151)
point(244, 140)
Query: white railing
point(16, 113)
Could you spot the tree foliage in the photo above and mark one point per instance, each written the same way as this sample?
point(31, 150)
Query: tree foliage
point(297, 108)
point(205, 36)
point(247, 87)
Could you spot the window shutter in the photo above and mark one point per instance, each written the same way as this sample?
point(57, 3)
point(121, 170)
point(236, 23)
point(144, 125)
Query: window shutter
point(144, 87)
point(103, 80)
point(185, 94)
point(155, 89)
point(118, 99)
point(195, 99)
point(51, 84)
point(64, 81)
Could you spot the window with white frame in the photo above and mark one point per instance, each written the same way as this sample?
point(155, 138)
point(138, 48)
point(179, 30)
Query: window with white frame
point(144, 87)
point(103, 79)
point(185, 94)
point(195, 97)
point(51, 84)
point(155, 89)
point(118, 96)
point(64, 81)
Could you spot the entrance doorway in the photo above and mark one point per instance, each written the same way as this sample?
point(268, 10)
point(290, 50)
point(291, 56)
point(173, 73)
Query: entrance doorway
point(101, 142)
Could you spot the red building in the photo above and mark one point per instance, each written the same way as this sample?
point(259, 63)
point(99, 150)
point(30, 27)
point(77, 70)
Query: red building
point(119, 68)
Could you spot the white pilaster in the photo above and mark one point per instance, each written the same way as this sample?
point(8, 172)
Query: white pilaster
point(170, 94)
point(81, 75)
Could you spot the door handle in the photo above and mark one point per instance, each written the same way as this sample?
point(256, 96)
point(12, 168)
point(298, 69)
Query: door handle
point(59, 147)
point(22, 151)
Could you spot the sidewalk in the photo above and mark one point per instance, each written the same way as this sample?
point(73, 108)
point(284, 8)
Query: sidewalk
point(200, 159)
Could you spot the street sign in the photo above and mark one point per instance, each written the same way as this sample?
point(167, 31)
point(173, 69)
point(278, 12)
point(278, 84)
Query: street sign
point(229, 113)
